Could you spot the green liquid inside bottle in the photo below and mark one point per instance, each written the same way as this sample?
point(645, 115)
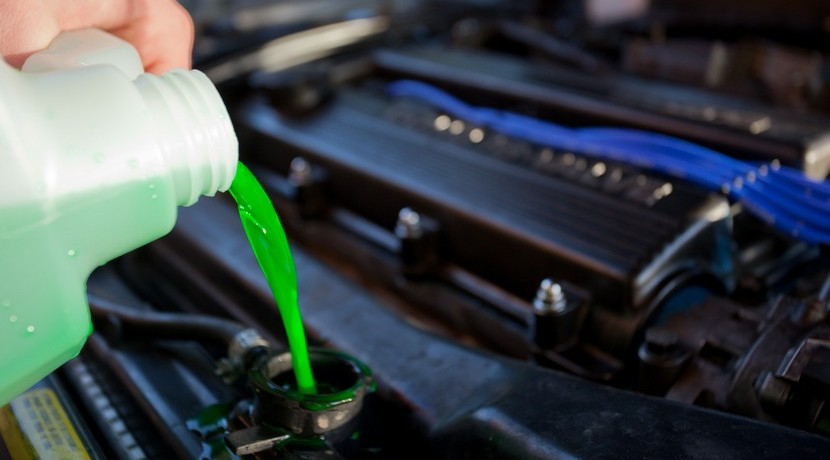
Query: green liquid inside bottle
point(270, 246)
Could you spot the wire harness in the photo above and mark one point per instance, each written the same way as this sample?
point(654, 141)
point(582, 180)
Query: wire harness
point(779, 195)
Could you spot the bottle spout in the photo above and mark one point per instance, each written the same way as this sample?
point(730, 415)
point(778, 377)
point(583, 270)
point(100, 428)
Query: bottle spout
point(193, 132)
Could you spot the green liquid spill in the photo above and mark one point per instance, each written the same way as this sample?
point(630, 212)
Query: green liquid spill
point(270, 246)
point(211, 424)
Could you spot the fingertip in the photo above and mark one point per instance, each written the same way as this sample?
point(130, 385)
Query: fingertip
point(179, 51)
point(189, 31)
point(168, 61)
point(159, 67)
point(16, 60)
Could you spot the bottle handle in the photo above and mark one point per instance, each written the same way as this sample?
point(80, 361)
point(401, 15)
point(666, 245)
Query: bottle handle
point(86, 47)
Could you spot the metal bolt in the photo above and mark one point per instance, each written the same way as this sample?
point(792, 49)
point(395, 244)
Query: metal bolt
point(243, 342)
point(550, 297)
point(299, 171)
point(409, 224)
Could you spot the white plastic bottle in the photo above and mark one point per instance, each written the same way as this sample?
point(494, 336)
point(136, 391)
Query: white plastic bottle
point(95, 157)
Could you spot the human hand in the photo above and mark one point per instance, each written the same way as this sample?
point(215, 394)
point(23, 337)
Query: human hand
point(161, 30)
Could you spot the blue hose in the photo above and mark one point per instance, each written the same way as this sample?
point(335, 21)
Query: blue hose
point(780, 196)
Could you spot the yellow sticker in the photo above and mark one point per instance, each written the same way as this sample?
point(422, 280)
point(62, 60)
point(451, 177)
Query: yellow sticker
point(15, 444)
point(35, 426)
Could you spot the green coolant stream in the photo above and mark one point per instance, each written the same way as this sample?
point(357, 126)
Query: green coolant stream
point(267, 238)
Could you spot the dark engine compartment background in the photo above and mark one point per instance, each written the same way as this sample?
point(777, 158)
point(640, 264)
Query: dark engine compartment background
point(681, 326)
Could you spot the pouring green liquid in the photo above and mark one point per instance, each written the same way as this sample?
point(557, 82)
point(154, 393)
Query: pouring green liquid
point(270, 246)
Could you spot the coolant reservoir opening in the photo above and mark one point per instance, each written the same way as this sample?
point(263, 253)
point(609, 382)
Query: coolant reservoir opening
point(333, 375)
point(342, 382)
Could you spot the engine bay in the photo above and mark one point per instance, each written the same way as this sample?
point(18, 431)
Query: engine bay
point(498, 253)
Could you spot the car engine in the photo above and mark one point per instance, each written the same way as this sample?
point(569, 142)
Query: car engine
point(521, 230)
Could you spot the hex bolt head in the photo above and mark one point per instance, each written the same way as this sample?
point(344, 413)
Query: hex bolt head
point(409, 224)
point(299, 171)
point(550, 297)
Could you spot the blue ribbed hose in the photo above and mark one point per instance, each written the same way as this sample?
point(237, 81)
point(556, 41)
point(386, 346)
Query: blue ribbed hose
point(780, 196)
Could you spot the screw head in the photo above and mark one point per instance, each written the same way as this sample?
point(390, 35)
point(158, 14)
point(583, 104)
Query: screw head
point(299, 171)
point(550, 297)
point(409, 224)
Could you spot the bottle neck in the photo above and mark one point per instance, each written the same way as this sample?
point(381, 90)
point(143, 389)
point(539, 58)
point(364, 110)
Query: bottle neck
point(193, 132)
